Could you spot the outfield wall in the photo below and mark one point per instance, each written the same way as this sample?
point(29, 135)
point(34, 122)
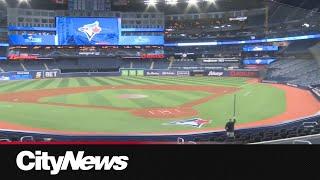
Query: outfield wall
point(196, 72)
point(47, 74)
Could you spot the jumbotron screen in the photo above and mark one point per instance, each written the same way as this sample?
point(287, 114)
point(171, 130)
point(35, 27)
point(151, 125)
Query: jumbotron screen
point(87, 31)
point(76, 31)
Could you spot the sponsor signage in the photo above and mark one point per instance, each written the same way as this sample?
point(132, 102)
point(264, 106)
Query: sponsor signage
point(16, 76)
point(258, 61)
point(32, 40)
point(152, 73)
point(141, 40)
point(260, 48)
point(24, 75)
point(219, 60)
point(216, 73)
point(4, 78)
point(168, 73)
point(195, 122)
point(243, 73)
point(183, 73)
point(23, 56)
point(51, 74)
point(160, 73)
point(152, 56)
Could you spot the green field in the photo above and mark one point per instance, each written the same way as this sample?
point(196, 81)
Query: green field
point(254, 102)
point(154, 98)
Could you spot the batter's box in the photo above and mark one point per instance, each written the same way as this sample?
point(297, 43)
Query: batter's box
point(166, 113)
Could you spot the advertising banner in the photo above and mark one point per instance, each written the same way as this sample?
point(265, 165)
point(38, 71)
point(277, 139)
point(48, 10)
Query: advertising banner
point(51, 74)
point(243, 73)
point(21, 75)
point(141, 40)
point(32, 40)
point(197, 73)
point(166, 73)
point(151, 73)
point(216, 73)
point(183, 73)
point(260, 48)
point(27, 75)
point(258, 61)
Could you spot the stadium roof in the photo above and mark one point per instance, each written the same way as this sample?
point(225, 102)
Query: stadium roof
point(139, 5)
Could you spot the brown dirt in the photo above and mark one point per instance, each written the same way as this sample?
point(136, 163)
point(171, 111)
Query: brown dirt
point(178, 112)
point(300, 103)
point(185, 110)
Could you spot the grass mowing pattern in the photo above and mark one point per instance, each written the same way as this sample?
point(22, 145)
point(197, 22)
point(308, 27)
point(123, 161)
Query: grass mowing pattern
point(255, 102)
point(154, 98)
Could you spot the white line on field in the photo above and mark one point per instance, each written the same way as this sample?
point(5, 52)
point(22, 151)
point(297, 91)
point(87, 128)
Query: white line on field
point(247, 93)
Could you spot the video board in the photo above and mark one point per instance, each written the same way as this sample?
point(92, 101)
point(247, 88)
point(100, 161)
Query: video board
point(87, 31)
point(141, 40)
point(257, 61)
point(260, 48)
point(32, 40)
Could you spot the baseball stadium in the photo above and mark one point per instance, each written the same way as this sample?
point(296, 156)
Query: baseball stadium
point(166, 71)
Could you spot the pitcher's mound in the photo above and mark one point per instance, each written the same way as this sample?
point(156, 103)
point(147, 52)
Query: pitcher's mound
point(132, 96)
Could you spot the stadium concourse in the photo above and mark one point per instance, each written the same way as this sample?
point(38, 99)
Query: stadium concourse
point(167, 72)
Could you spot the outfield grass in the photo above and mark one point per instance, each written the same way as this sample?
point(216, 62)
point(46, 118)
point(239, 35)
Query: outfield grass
point(255, 102)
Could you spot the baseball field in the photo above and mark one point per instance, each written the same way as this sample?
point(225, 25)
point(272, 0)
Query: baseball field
point(147, 105)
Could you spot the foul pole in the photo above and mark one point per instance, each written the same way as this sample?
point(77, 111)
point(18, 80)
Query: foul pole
point(234, 105)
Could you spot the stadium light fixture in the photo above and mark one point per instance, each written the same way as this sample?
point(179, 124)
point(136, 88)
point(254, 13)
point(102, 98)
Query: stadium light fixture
point(210, 1)
point(171, 2)
point(24, 2)
point(151, 2)
point(192, 2)
point(3, 2)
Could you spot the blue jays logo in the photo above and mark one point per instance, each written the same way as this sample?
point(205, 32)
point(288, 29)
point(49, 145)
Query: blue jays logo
point(91, 30)
point(195, 122)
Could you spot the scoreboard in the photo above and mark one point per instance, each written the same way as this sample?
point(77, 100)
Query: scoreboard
point(79, 31)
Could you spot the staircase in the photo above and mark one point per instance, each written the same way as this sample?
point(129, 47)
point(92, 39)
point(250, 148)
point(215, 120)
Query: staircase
point(46, 66)
point(152, 65)
point(23, 67)
point(1, 69)
point(170, 65)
